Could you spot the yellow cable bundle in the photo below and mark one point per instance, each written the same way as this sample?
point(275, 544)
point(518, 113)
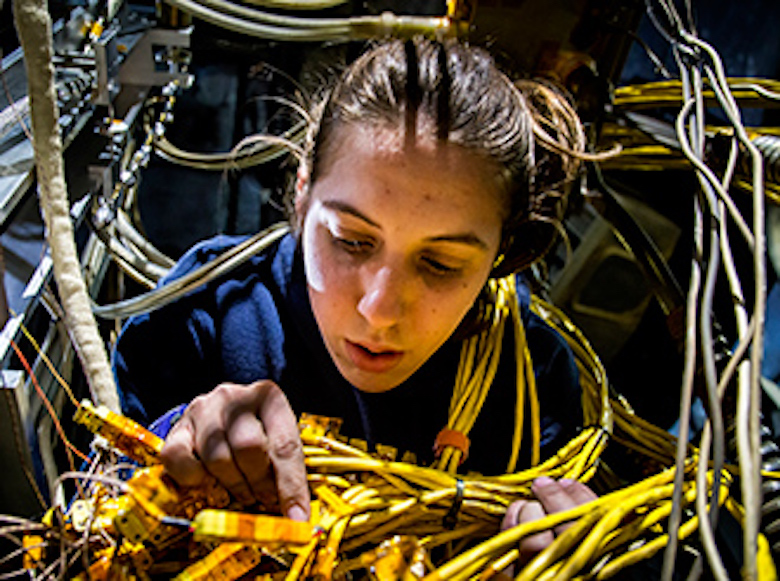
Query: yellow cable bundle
point(598, 543)
point(669, 93)
point(526, 383)
point(480, 356)
point(479, 360)
point(608, 534)
point(371, 513)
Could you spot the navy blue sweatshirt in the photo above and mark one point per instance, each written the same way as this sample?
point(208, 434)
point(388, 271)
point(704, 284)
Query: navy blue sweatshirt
point(257, 323)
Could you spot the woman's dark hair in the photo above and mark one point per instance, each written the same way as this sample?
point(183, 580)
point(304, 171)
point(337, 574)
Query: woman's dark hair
point(450, 91)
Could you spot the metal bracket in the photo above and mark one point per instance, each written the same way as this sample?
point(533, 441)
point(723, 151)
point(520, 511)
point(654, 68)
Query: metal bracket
point(161, 56)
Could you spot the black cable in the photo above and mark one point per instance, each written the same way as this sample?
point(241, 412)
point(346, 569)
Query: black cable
point(658, 25)
point(672, 37)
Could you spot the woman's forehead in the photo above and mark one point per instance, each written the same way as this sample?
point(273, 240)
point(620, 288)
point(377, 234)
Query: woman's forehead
point(446, 184)
point(388, 142)
point(371, 169)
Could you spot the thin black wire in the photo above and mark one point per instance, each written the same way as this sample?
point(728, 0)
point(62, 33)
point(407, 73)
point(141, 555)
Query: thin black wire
point(690, 17)
point(658, 64)
point(673, 36)
point(657, 23)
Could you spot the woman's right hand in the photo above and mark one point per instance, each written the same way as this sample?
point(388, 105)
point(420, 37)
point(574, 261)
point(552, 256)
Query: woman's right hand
point(551, 496)
point(247, 437)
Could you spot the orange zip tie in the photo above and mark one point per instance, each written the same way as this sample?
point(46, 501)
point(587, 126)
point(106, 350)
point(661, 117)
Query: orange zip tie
point(454, 438)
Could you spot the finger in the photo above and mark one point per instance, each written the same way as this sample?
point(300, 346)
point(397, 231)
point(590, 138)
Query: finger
point(248, 443)
point(512, 515)
point(559, 497)
point(212, 447)
point(511, 519)
point(552, 495)
point(285, 451)
point(178, 455)
point(216, 455)
point(533, 510)
point(578, 491)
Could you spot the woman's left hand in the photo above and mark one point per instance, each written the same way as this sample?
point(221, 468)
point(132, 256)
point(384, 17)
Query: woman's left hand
point(551, 496)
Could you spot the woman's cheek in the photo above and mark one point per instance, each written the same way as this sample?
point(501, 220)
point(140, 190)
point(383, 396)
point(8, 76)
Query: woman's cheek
point(324, 271)
point(313, 261)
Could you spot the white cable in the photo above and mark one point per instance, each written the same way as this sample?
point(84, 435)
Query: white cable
point(297, 4)
point(712, 178)
point(250, 28)
point(706, 533)
point(715, 421)
point(125, 229)
point(749, 444)
point(228, 7)
point(686, 393)
point(714, 424)
point(763, 91)
point(355, 28)
point(177, 288)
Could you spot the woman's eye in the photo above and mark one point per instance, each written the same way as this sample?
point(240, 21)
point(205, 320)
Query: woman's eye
point(440, 268)
point(353, 245)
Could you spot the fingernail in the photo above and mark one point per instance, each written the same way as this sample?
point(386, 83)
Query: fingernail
point(296, 512)
point(543, 481)
point(566, 482)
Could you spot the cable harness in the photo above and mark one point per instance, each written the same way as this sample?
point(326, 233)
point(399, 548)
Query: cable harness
point(373, 516)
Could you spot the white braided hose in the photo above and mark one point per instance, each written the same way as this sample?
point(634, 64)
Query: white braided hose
point(33, 24)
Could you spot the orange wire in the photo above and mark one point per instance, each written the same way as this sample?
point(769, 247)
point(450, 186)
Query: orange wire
point(50, 409)
point(50, 365)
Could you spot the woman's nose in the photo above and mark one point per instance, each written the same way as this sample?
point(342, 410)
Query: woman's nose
point(382, 301)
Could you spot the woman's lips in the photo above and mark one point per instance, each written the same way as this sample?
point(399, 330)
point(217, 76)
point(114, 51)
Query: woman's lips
point(373, 360)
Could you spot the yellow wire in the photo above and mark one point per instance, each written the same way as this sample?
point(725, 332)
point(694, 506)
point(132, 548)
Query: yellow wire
point(365, 500)
point(480, 357)
point(48, 364)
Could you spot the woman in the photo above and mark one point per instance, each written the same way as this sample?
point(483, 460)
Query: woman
point(426, 173)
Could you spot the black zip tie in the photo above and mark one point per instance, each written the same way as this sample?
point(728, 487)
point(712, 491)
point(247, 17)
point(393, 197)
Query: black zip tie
point(451, 518)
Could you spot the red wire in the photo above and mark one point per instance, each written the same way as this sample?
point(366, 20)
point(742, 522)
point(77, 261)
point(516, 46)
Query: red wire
point(50, 409)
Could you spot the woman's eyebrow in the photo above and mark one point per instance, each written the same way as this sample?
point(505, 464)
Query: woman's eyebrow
point(348, 209)
point(467, 238)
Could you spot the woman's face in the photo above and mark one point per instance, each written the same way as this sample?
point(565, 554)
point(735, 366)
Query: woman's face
point(397, 245)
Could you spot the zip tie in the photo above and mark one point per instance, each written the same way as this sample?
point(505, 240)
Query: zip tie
point(454, 438)
point(451, 518)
